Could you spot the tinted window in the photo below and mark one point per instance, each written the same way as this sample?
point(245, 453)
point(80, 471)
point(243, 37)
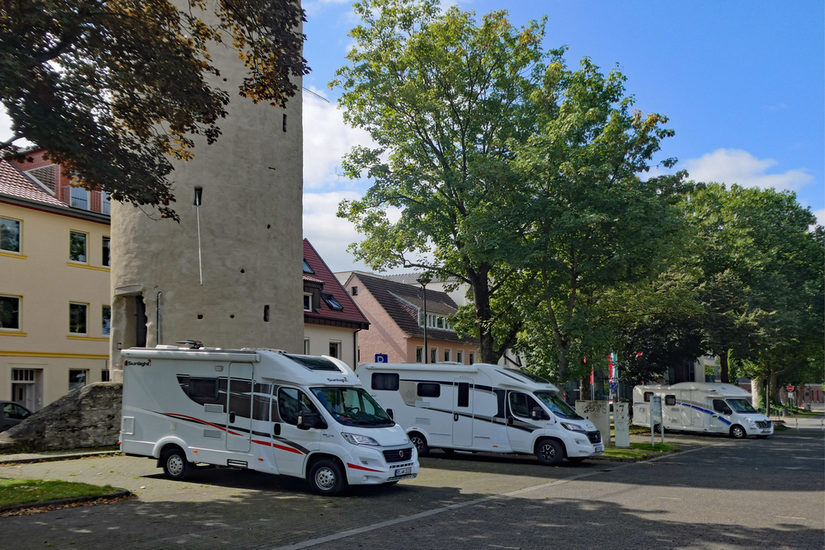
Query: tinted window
point(648, 395)
point(427, 389)
point(385, 381)
point(314, 363)
point(240, 397)
point(670, 400)
point(292, 403)
point(463, 394)
point(203, 390)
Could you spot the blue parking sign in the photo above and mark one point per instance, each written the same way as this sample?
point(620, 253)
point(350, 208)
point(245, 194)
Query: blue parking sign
point(380, 357)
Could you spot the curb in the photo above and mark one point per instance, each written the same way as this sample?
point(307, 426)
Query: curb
point(11, 509)
point(51, 458)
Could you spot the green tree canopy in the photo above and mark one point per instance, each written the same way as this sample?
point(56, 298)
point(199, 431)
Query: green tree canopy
point(115, 89)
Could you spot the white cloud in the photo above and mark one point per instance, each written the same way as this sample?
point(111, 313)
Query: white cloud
point(820, 216)
point(737, 166)
point(329, 234)
point(326, 140)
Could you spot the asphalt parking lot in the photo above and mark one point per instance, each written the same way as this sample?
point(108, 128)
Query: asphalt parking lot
point(497, 501)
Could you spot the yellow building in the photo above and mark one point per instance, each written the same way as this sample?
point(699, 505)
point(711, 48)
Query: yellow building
point(54, 291)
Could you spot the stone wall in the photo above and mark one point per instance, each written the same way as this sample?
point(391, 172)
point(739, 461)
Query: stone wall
point(87, 417)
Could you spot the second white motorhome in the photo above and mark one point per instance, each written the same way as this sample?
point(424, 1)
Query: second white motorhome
point(702, 407)
point(263, 410)
point(481, 407)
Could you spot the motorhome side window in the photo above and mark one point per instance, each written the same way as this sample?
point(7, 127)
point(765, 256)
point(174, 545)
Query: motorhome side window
point(463, 394)
point(385, 381)
point(203, 390)
point(427, 389)
point(292, 403)
point(240, 397)
point(720, 406)
point(670, 400)
point(648, 395)
point(260, 401)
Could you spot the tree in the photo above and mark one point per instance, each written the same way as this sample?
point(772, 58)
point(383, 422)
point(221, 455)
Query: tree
point(444, 98)
point(591, 224)
point(761, 285)
point(114, 90)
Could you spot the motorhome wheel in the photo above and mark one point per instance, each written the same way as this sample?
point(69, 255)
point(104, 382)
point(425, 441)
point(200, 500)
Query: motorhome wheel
point(738, 432)
point(326, 477)
point(175, 465)
point(420, 443)
point(549, 451)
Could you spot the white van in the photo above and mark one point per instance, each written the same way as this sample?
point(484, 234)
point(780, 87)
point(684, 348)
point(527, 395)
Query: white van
point(481, 407)
point(263, 410)
point(702, 407)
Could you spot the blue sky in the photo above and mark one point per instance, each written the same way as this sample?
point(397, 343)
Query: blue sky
point(743, 83)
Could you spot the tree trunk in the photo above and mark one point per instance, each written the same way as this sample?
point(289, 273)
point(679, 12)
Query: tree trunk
point(481, 297)
point(723, 366)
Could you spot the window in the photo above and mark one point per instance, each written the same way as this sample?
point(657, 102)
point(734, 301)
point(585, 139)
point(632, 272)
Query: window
point(419, 355)
point(434, 355)
point(521, 404)
point(77, 318)
point(459, 357)
point(105, 251)
point(670, 400)
point(240, 397)
point(106, 320)
point(307, 302)
point(335, 349)
point(10, 312)
point(447, 354)
point(77, 379)
point(15, 411)
point(463, 394)
point(306, 346)
point(440, 322)
point(105, 203)
point(385, 381)
point(79, 198)
point(427, 389)
point(355, 291)
point(260, 402)
point(330, 300)
point(648, 395)
point(721, 407)
point(77, 246)
point(105, 375)
point(308, 269)
point(292, 403)
point(9, 235)
point(204, 390)
point(472, 358)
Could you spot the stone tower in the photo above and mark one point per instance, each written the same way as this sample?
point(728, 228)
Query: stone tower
point(229, 274)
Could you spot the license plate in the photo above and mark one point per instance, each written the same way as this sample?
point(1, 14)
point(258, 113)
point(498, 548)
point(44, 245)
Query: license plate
point(403, 472)
point(599, 448)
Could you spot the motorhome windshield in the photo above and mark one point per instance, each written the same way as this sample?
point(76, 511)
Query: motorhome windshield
point(741, 406)
point(352, 407)
point(554, 402)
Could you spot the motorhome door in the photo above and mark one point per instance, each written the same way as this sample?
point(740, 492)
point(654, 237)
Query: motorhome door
point(463, 413)
point(239, 411)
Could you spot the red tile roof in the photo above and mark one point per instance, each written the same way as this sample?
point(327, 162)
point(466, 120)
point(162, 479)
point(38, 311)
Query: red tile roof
point(350, 315)
point(16, 184)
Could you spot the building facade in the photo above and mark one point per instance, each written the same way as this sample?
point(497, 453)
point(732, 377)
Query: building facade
point(55, 309)
point(332, 321)
point(396, 312)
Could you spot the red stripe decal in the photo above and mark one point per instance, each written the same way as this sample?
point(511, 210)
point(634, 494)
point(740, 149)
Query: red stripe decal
point(275, 445)
point(356, 467)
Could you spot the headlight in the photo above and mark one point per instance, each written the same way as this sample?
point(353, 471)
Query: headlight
point(574, 427)
point(358, 439)
point(751, 421)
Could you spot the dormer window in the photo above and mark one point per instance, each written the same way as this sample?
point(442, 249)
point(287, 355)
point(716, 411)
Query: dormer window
point(307, 302)
point(330, 300)
point(308, 269)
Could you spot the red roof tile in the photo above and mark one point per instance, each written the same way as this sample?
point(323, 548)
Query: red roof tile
point(14, 183)
point(350, 315)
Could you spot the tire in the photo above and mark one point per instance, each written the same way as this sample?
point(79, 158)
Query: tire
point(325, 477)
point(549, 452)
point(420, 443)
point(738, 432)
point(174, 463)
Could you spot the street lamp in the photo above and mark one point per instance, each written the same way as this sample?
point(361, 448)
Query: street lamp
point(423, 280)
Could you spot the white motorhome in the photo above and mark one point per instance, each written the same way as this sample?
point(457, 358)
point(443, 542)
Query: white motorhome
point(264, 410)
point(481, 407)
point(702, 407)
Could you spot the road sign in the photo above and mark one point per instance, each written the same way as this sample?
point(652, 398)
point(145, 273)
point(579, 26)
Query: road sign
point(380, 357)
point(790, 388)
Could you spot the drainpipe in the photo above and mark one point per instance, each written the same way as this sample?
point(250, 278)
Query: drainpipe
point(355, 348)
point(157, 317)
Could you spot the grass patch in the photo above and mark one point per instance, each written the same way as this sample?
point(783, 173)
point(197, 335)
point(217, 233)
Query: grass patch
point(639, 451)
point(15, 492)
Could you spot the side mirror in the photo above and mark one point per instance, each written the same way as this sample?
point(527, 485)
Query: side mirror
point(727, 411)
point(309, 420)
point(537, 414)
point(390, 413)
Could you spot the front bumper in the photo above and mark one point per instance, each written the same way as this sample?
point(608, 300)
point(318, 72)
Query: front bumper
point(369, 466)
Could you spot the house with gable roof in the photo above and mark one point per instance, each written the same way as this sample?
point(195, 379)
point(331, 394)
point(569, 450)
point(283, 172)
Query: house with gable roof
point(332, 320)
point(396, 314)
point(55, 314)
